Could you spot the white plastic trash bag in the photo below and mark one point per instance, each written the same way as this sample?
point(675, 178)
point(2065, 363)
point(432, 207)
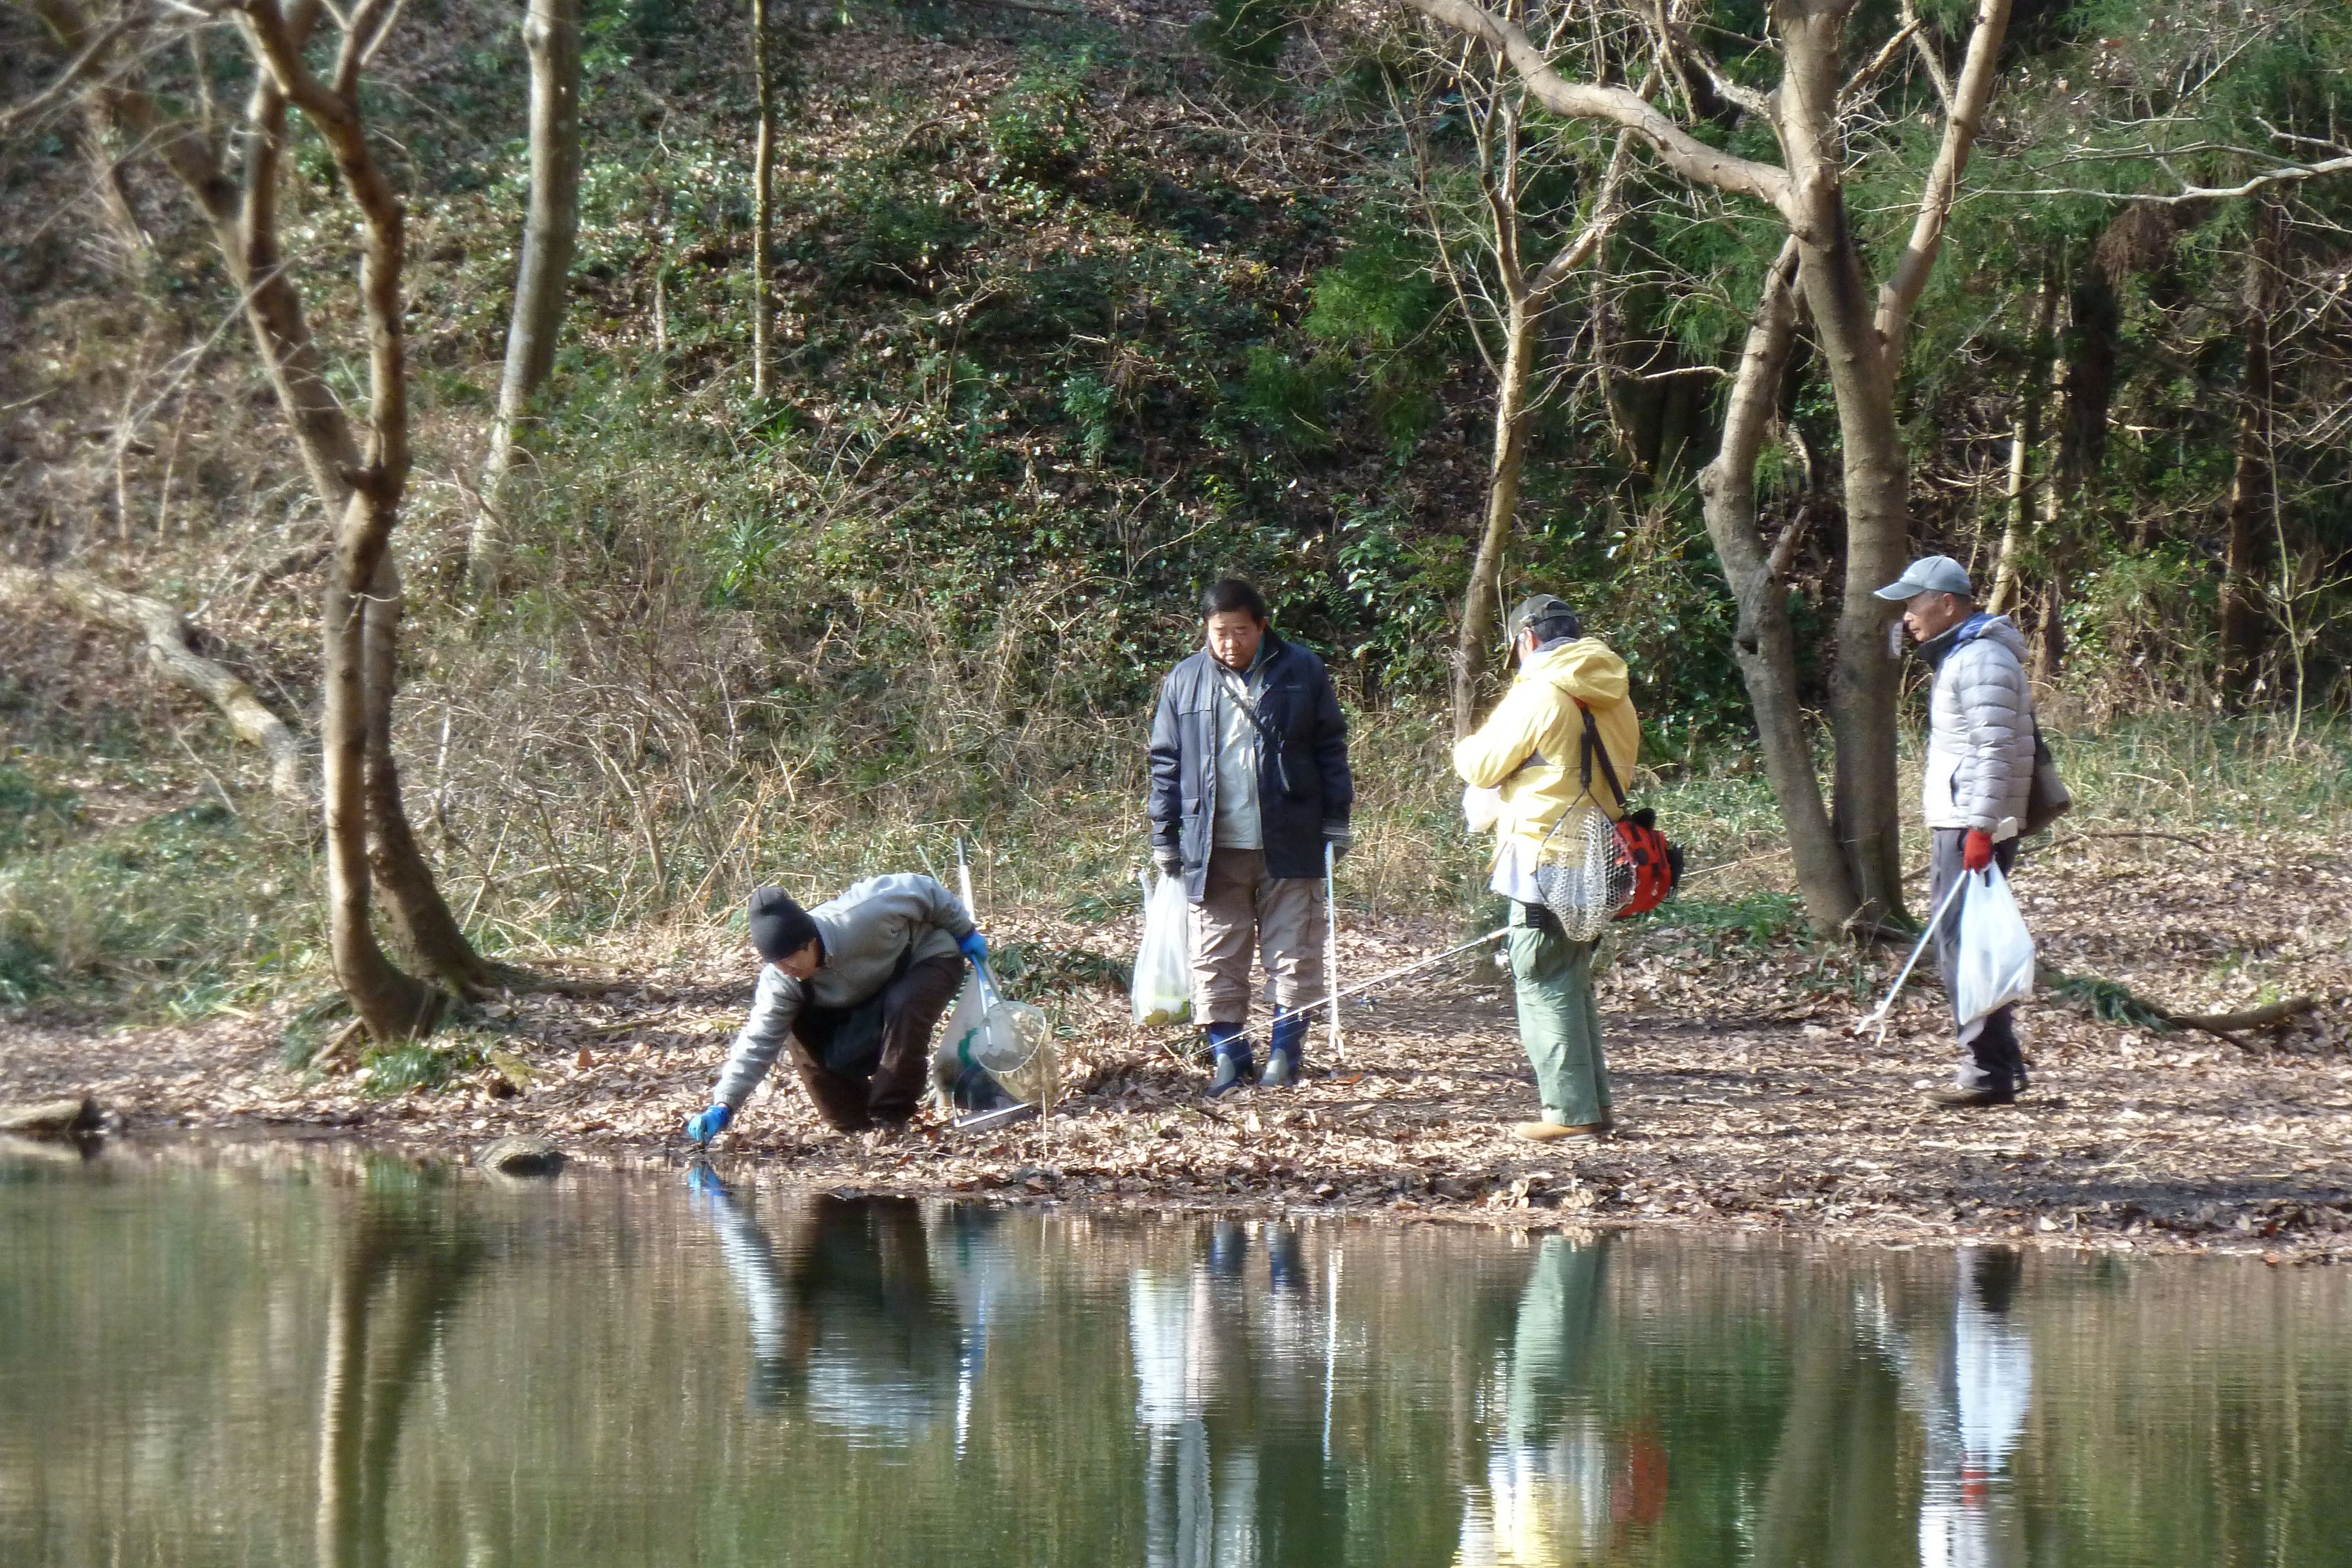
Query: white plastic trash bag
point(1162, 989)
point(1996, 965)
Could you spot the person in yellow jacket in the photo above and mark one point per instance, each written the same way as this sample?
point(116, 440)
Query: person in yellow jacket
point(1527, 754)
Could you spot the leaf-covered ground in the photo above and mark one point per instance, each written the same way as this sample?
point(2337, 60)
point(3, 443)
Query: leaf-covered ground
point(1744, 1098)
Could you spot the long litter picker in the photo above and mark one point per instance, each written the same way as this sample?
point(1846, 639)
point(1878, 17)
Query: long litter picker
point(1332, 940)
point(1877, 1020)
point(1397, 973)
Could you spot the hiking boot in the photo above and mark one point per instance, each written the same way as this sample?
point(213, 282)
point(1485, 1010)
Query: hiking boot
point(1973, 1099)
point(1233, 1070)
point(1283, 1052)
point(1551, 1132)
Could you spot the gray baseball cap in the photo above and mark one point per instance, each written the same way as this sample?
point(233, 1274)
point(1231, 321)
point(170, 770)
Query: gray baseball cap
point(1930, 575)
point(1541, 609)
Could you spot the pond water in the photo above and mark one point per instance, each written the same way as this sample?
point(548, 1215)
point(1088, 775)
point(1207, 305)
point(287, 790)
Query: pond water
point(272, 1355)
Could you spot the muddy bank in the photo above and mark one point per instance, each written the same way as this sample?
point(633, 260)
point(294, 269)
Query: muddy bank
point(1743, 1100)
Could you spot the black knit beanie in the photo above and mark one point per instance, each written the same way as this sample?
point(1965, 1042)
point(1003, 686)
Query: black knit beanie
point(780, 928)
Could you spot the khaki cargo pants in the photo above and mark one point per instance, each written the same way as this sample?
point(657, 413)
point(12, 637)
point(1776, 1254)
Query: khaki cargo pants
point(1240, 907)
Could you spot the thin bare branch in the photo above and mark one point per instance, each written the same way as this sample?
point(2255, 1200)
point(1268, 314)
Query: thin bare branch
point(1621, 107)
point(1970, 96)
point(1930, 61)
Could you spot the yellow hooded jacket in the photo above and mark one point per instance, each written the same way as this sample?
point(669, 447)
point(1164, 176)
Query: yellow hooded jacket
point(1531, 744)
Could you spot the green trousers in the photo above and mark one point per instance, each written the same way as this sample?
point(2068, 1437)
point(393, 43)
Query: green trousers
point(1559, 1024)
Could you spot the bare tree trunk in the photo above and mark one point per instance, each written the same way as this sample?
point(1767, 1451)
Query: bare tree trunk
point(1765, 643)
point(1482, 601)
point(1864, 685)
point(2024, 439)
point(392, 1004)
point(171, 646)
point(2252, 479)
point(423, 927)
point(361, 492)
point(763, 200)
point(551, 33)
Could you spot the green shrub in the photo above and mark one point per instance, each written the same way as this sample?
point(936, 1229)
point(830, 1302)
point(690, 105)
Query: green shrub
point(1036, 127)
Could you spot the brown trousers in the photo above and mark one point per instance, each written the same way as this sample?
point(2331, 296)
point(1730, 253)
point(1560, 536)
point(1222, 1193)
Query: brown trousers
point(868, 1063)
point(1284, 915)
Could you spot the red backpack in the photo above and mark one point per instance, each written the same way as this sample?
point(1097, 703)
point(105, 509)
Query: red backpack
point(1646, 867)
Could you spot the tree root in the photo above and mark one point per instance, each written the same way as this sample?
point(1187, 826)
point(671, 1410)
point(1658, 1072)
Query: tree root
point(171, 646)
point(2118, 1004)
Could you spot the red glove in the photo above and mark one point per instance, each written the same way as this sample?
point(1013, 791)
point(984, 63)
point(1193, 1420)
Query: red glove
point(1976, 850)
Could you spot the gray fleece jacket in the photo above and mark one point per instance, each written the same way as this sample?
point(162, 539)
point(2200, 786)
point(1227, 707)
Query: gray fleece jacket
point(865, 932)
point(1979, 728)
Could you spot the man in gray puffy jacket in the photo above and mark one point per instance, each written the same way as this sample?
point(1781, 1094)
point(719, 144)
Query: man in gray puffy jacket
point(854, 986)
point(1979, 770)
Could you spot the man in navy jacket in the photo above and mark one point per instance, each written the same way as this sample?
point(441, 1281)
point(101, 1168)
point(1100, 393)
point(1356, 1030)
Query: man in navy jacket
point(1249, 780)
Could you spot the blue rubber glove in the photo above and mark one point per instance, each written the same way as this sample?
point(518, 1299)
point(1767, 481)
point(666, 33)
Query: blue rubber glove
point(703, 1182)
point(709, 1124)
point(974, 946)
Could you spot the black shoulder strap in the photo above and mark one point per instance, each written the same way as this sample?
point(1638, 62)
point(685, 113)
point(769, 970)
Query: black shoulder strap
point(1593, 748)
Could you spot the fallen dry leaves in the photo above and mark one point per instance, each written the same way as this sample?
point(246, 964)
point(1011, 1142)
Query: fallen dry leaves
point(1744, 1098)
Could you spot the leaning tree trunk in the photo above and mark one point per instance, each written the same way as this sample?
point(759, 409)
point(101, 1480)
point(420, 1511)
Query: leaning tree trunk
point(1482, 602)
point(763, 200)
point(2251, 478)
point(1764, 642)
point(551, 34)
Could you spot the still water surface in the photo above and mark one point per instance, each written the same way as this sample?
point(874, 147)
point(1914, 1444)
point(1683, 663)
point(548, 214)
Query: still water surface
point(264, 1356)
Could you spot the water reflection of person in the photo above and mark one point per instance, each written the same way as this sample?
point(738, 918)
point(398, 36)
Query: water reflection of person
point(1561, 1487)
point(853, 1316)
point(1972, 1391)
point(1209, 1346)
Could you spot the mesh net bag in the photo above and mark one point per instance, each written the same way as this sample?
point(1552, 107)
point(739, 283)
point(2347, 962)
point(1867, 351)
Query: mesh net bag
point(1016, 1044)
point(1584, 878)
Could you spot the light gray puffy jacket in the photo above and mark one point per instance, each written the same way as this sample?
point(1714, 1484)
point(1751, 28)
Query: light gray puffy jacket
point(866, 931)
point(1979, 728)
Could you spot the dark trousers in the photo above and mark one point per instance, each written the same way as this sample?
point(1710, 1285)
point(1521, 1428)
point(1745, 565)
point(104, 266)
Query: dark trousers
point(1993, 1060)
point(867, 1063)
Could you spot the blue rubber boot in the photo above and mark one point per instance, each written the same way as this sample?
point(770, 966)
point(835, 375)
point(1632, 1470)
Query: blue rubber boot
point(1285, 1053)
point(1234, 1068)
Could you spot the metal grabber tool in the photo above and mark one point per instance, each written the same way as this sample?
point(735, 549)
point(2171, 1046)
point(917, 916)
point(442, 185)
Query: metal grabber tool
point(1877, 1019)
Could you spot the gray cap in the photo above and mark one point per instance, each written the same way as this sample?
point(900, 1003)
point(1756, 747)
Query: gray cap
point(1541, 609)
point(1930, 575)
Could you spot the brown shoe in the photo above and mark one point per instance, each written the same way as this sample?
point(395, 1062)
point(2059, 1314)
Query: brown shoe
point(1973, 1099)
point(1548, 1131)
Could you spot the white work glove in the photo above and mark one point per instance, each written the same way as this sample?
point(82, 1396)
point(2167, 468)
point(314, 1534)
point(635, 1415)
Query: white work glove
point(1481, 807)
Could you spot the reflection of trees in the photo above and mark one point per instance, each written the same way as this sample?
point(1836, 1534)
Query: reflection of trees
point(408, 1256)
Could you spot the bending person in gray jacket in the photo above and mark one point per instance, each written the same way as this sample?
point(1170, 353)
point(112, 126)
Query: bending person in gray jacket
point(854, 986)
point(1979, 770)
